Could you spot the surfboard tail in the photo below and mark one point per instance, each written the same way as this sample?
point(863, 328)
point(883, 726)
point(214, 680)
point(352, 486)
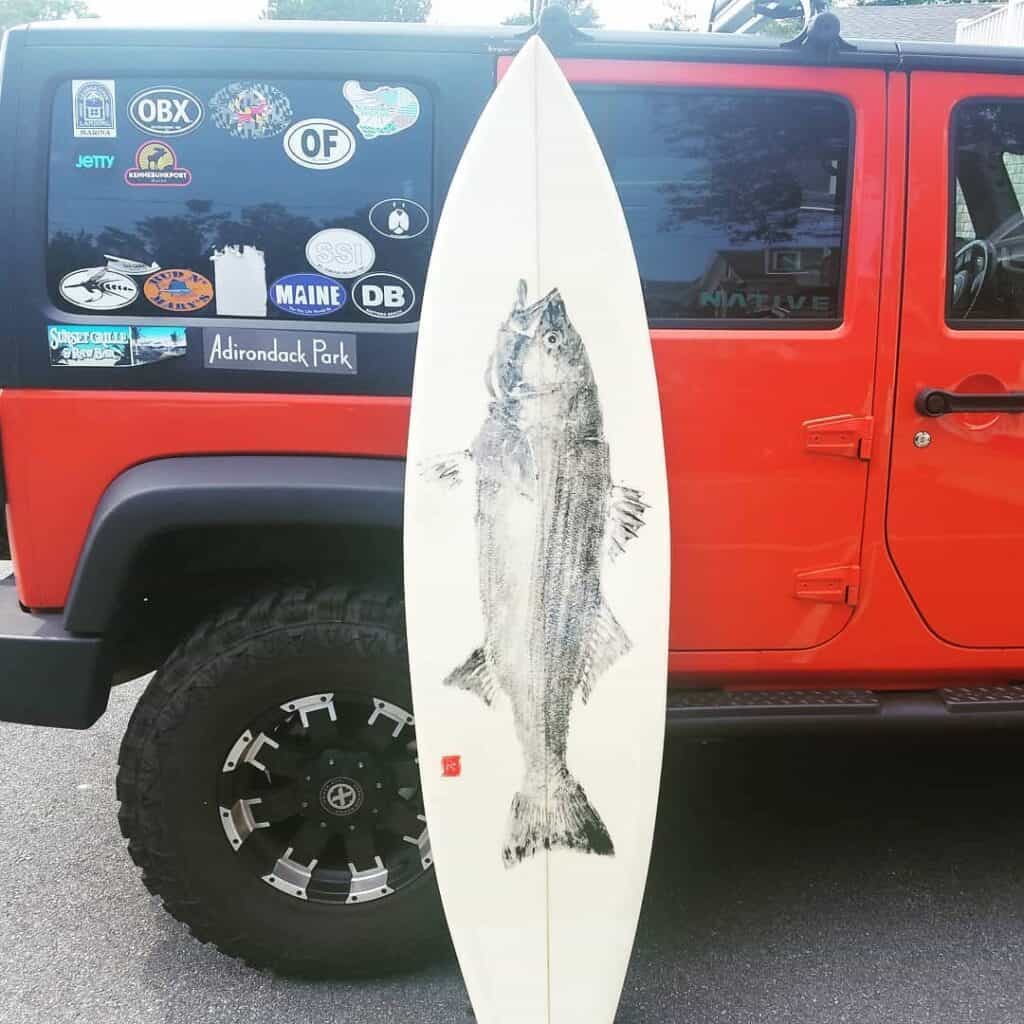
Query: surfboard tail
point(562, 819)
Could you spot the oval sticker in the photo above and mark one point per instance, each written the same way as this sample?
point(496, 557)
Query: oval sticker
point(251, 110)
point(398, 218)
point(165, 111)
point(98, 288)
point(319, 143)
point(383, 296)
point(181, 291)
point(338, 252)
point(307, 294)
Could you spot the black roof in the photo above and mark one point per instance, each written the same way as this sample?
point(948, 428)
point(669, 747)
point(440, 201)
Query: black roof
point(595, 43)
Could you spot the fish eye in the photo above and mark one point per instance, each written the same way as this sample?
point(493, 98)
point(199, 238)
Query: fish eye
point(552, 339)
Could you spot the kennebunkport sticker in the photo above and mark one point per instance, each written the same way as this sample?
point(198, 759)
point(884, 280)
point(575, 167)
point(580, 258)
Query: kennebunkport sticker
point(307, 294)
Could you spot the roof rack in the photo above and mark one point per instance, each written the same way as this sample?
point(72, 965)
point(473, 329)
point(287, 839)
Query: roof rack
point(822, 36)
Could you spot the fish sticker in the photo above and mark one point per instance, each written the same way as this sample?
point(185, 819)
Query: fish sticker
point(548, 518)
point(98, 288)
point(180, 291)
point(251, 110)
point(134, 268)
point(384, 111)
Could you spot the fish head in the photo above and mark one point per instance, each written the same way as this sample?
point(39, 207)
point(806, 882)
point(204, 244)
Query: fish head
point(540, 354)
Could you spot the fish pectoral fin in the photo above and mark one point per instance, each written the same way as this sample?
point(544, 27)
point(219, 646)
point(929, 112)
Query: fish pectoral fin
point(446, 468)
point(626, 512)
point(607, 643)
point(474, 675)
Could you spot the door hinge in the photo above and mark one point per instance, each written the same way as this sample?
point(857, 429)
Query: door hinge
point(838, 584)
point(849, 436)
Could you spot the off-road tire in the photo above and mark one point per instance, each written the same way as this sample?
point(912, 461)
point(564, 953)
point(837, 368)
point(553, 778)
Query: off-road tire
point(237, 662)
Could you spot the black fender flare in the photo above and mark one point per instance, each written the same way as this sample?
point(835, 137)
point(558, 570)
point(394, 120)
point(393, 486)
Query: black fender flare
point(221, 490)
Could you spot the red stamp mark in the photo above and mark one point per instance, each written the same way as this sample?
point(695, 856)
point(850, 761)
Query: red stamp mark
point(451, 766)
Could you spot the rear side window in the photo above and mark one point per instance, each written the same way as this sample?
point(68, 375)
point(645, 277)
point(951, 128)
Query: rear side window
point(287, 199)
point(986, 255)
point(737, 202)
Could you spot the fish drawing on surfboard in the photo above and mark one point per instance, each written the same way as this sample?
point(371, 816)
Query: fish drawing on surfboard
point(547, 518)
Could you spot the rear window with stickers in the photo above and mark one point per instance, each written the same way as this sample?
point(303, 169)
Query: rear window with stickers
point(295, 200)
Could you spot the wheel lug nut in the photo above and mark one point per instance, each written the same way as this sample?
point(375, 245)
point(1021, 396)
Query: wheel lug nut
point(380, 785)
point(376, 810)
point(309, 778)
point(361, 765)
point(323, 824)
point(331, 763)
point(351, 828)
point(305, 803)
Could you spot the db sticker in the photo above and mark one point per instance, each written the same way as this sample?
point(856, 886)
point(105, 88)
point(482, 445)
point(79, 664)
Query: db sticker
point(451, 766)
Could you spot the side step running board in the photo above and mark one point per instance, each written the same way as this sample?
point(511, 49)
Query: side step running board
point(736, 712)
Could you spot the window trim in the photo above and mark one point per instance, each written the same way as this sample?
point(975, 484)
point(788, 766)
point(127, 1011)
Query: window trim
point(756, 323)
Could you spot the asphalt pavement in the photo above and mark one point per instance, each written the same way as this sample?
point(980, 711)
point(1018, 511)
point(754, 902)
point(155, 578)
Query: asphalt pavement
point(811, 882)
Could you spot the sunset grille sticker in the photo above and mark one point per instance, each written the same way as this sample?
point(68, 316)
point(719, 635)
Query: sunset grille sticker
point(384, 111)
point(251, 110)
point(114, 345)
point(156, 165)
point(180, 291)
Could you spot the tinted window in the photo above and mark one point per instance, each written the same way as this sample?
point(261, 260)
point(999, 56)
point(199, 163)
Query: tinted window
point(986, 258)
point(736, 202)
point(226, 187)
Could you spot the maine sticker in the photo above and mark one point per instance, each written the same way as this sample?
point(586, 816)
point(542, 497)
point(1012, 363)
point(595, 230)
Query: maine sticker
point(93, 108)
point(339, 252)
point(251, 110)
point(384, 111)
point(307, 294)
point(96, 288)
point(180, 291)
point(156, 166)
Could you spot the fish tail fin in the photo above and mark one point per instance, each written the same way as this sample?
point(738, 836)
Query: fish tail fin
point(474, 676)
point(562, 819)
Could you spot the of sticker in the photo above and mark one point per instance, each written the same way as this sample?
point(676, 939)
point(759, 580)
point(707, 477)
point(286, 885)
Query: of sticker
point(251, 110)
point(93, 108)
point(131, 267)
point(98, 288)
point(383, 296)
point(182, 291)
point(94, 162)
point(240, 281)
point(338, 252)
point(114, 345)
point(451, 766)
point(319, 143)
point(384, 111)
point(282, 351)
point(156, 166)
point(308, 294)
point(165, 111)
point(399, 218)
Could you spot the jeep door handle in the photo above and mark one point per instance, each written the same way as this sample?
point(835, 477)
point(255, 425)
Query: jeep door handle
point(936, 402)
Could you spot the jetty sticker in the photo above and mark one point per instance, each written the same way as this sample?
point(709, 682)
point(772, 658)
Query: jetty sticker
point(308, 294)
point(383, 296)
point(284, 351)
point(93, 108)
point(98, 288)
point(339, 252)
point(114, 345)
point(240, 280)
point(399, 218)
point(165, 111)
point(94, 162)
point(319, 143)
point(180, 291)
point(251, 110)
point(387, 110)
point(156, 166)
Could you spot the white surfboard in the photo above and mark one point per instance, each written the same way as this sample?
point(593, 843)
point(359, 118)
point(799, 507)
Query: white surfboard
point(536, 562)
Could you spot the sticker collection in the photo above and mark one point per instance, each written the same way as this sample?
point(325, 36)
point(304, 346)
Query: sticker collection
point(341, 261)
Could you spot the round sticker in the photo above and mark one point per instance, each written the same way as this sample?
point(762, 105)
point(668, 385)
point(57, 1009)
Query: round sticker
point(307, 294)
point(319, 143)
point(338, 252)
point(251, 110)
point(383, 296)
point(181, 291)
point(165, 111)
point(399, 218)
point(98, 288)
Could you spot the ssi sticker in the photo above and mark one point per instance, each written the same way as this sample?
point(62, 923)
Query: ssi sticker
point(339, 252)
point(319, 143)
point(308, 294)
point(94, 109)
point(384, 111)
point(181, 291)
point(251, 110)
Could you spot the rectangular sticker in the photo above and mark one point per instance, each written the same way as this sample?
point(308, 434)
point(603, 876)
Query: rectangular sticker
point(94, 108)
point(285, 351)
point(114, 345)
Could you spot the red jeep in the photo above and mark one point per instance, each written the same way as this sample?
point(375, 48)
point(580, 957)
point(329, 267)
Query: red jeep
point(215, 253)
